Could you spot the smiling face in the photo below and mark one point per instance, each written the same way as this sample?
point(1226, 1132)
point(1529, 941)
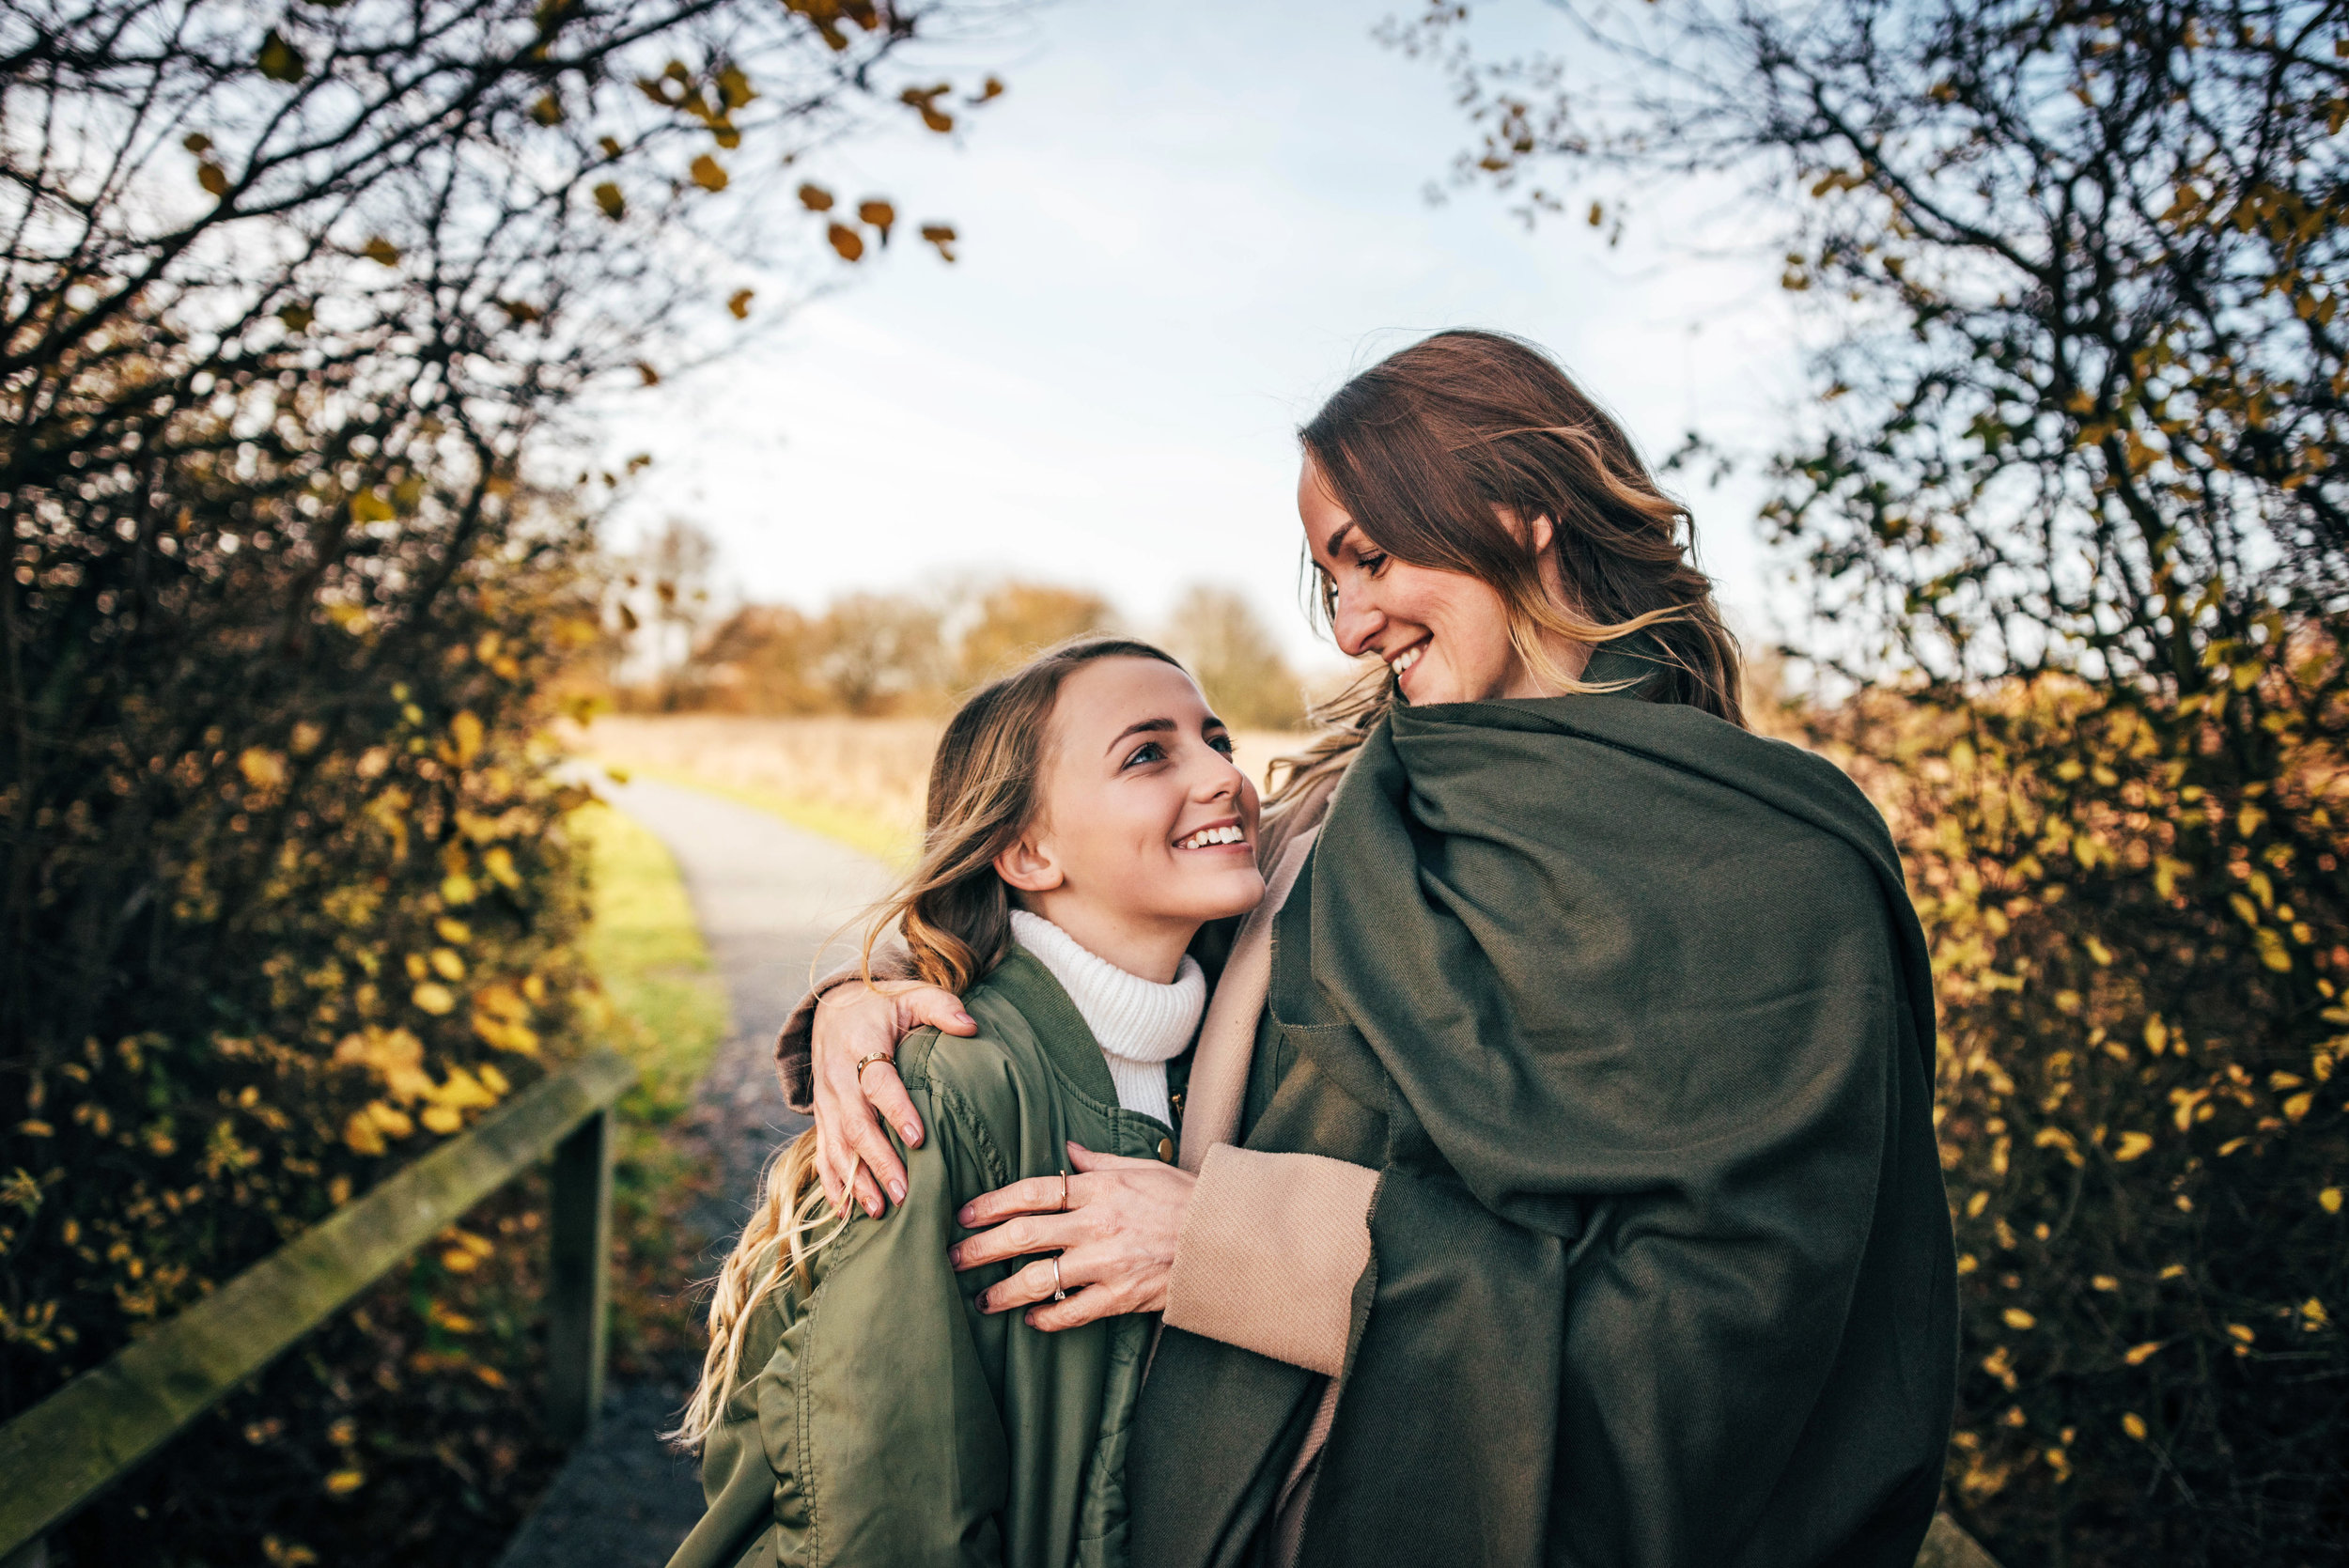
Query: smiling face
point(1444, 634)
point(1144, 829)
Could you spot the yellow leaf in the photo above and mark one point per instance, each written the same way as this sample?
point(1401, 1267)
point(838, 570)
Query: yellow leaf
point(457, 1261)
point(814, 198)
point(442, 1119)
point(447, 964)
point(372, 505)
point(453, 930)
point(2018, 1319)
point(499, 863)
point(382, 250)
point(2104, 1282)
point(844, 239)
point(466, 731)
point(2238, 1331)
point(434, 998)
point(2134, 1424)
point(262, 769)
point(360, 1132)
point(457, 888)
point(2299, 1105)
point(343, 1482)
point(740, 303)
point(614, 204)
point(2132, 1145)
point(2138, 1355)
point(213, 178)
point(709, 173)
point(2329, 1200)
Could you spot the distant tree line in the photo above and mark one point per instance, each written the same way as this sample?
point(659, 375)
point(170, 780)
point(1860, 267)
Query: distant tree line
point(877, 654)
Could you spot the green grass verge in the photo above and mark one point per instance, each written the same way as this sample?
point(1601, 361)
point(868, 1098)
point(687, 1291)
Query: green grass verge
point(669, 1004)
point(884, 838)
point(667, 1012)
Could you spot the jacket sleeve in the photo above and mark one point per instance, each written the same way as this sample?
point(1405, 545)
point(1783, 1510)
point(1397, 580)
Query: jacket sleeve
point(796, 1040)
point(876, 1411)
point(1271, 1249)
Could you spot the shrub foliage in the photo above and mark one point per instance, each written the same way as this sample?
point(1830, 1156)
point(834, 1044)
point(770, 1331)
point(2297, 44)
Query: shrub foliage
point(2071, 509)
point(295, 309)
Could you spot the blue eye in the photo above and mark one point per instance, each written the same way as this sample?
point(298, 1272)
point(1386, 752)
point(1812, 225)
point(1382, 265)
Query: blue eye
point(1148, 752)
point(1221, 743)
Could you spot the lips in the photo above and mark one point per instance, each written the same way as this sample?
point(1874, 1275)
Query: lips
point(1207, 838)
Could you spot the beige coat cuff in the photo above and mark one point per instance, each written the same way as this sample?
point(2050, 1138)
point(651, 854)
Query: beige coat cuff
point(1271, 1248)
point(795, 1043)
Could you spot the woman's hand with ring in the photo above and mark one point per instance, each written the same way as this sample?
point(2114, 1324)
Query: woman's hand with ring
point(1115, 1241)
point(856, 1032)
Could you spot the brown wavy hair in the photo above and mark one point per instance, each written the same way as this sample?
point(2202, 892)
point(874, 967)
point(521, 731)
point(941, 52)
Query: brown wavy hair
point(1421, 448)
point(954, 915)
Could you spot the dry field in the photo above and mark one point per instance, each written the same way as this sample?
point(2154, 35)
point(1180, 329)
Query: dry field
point(857, 780)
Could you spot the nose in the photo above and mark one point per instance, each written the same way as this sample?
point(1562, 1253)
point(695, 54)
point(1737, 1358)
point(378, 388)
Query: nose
point(1218, 781)
point(1355, 622)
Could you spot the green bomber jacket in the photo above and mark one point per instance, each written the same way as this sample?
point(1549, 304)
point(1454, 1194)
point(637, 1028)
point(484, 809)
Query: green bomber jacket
point(881, 1419)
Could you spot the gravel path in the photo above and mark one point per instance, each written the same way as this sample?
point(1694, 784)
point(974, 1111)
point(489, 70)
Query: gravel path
point(768, 896)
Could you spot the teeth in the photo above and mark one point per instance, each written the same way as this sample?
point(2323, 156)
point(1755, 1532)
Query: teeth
point(1408, 658)
point(1206, 836)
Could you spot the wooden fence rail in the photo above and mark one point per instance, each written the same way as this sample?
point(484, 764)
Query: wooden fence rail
point(62, 1452)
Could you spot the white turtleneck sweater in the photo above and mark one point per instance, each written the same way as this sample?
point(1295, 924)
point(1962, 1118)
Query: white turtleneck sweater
point(1140, 1024)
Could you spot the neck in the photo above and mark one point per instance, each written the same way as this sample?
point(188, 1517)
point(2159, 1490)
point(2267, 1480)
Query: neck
point(1567, 658)
point(1140, 945)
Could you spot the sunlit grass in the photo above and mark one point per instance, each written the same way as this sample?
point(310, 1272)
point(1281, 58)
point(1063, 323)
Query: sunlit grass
point(668, 1003)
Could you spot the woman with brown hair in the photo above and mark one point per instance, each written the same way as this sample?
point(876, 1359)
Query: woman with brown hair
point(1557, 1180)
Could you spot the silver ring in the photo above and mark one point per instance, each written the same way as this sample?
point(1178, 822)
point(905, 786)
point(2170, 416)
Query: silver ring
point(1059, 1293)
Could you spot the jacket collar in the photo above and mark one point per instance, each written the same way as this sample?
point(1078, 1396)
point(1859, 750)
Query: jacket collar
point(1022, 980)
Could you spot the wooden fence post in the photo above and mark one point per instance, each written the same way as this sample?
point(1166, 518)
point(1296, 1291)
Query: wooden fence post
point(578, 1278)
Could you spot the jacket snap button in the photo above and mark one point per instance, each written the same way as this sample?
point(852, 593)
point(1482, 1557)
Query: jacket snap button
point(1166, 1149)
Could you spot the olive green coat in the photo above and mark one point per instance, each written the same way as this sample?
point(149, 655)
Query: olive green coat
point(1630, 1011)
point(880, 1418)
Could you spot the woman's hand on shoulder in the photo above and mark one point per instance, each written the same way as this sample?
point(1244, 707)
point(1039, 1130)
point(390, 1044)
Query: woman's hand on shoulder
point(1116, 1240)
point(855, 1022)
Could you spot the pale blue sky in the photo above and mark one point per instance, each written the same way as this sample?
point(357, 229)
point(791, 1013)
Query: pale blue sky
point(1182, 226)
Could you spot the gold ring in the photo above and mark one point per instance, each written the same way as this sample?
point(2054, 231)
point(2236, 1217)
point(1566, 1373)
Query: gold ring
point(1064, 1192)
point(1059, 1291)
point(864, 1061)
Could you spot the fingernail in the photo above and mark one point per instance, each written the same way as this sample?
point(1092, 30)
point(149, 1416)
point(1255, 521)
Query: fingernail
point(964, 1017)
point(872, 1208)
point(966, 1214)
point(954, 1255)
point(896, 1192)
point(912, 1132)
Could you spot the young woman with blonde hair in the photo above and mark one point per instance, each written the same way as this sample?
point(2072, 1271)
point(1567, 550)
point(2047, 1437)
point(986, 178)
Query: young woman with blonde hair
point(859, 1405)
point(1560, 1182)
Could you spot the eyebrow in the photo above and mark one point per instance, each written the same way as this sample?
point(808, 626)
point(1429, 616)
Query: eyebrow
point(1147, 726)
point(1337, 538)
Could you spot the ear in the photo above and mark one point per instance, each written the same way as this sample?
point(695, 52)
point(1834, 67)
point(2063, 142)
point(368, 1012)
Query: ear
point(1029, 866)
point(1543, 534)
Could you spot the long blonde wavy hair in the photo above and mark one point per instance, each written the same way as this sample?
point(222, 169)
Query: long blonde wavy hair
point(954, 915)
